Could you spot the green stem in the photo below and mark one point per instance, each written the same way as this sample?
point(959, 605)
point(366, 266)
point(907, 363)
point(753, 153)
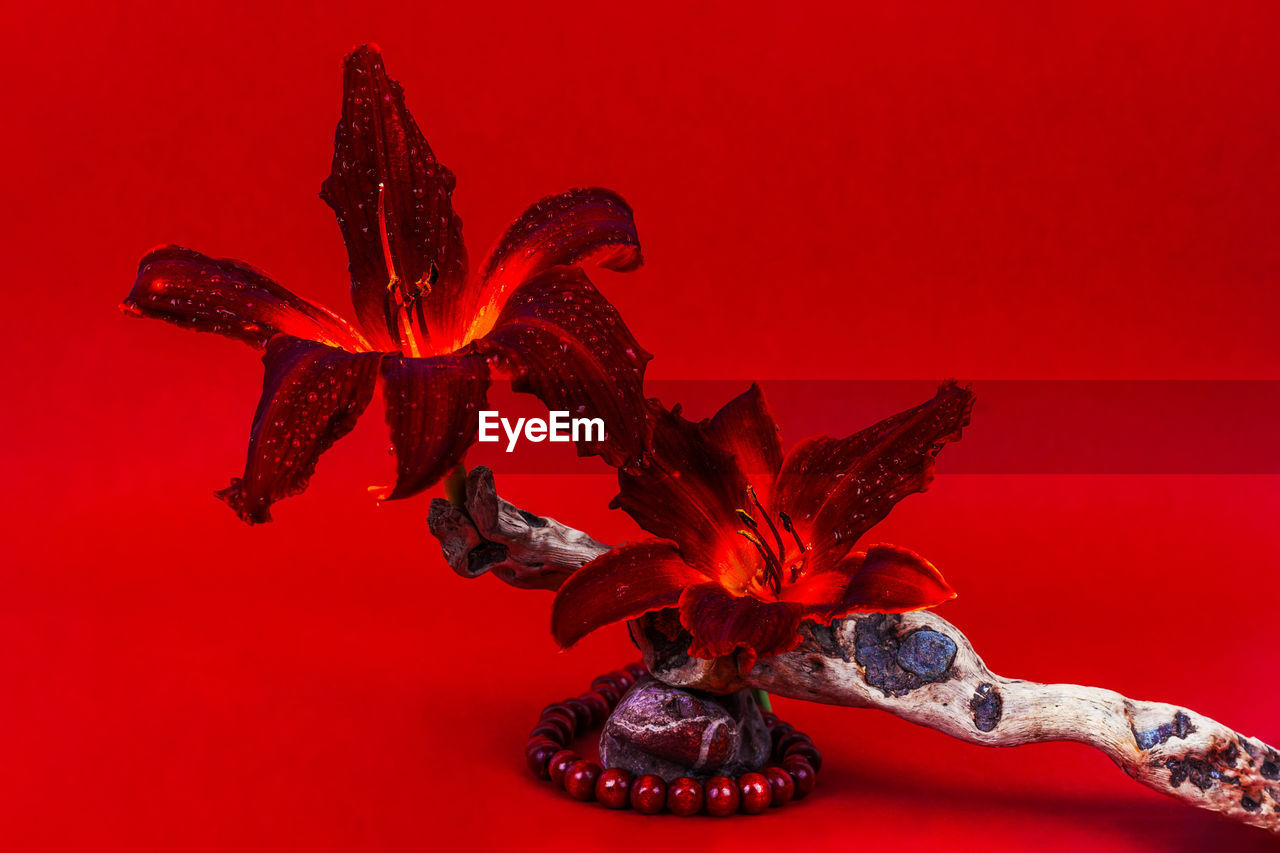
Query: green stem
point(455, 485)
point(762, 699)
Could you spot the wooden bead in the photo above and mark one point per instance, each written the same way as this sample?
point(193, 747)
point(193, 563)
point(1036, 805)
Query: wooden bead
point(540, 741)
point(613, 788)
point(609, 691)
point(808, 752)
point(637, 670)
point(606, 680)
point(789, 740)
point(559, 764)
point(539, 756)
point(554, 706)
point(781, 783)
point(623, 679)
point(581, 713)
point(684, 797)
point(562, 721)
point(580, 780)
point(649, 794)
point(550, 732)
point(756, 793)
point(722, 796)
point(598, 706)
point(802, 774)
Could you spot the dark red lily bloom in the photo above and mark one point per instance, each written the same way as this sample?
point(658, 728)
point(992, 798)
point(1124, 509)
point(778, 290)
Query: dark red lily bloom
point(752, 542)
point(426, 330)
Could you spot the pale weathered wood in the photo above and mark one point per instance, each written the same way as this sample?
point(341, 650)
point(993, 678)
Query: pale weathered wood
point(923, 669)
point(487, 534)
point(915, 665)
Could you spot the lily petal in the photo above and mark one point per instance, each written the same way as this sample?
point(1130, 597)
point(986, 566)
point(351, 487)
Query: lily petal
point(696, 479)
point(689, 492)
point(378, 144)
point(621, 584)
point(722, 623)
point(574, 227)
point(312, 395)
point(840, 488)
point(883, 579)
point(895, 580)
point(231, 298)
point(562, 341)
point(432, 410)
point(745, 428)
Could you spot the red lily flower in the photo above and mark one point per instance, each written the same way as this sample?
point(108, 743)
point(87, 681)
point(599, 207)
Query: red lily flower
point(753, 542)
point(426, 331)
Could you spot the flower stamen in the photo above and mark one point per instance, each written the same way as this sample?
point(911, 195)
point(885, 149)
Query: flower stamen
point(774, 563)
point(782, 552)
point(772, 570)
point(791, 528)
point(407, 302)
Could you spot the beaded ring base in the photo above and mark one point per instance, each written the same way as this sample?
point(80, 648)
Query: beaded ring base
point(790, 775)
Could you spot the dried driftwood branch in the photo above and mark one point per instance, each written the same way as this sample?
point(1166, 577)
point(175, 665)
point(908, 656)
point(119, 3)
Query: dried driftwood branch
point(922, 668)
point(487, 534)
point(915, 665)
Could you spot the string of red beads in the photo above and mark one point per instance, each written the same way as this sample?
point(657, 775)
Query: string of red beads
point(791, 775)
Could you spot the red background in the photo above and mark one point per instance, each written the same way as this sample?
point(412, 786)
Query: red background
point(1000, 192)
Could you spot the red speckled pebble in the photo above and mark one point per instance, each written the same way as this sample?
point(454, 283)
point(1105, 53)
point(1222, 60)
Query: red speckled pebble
point(649, 794)
point(722, 795)
point(684, 797)
point(580, 779)
point(559, 764)
point(802, 774)
point(613, 788)
point(756, 793)
point(784, 787)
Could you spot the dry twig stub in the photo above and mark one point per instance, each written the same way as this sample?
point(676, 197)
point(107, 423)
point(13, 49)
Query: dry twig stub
point(487, 534)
